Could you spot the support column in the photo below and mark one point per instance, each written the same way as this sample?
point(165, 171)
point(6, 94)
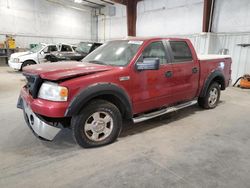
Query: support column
point(131, 6)
point(131, 17)
point(208, 10)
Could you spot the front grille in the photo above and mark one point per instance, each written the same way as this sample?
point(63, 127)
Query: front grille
point(33, 84)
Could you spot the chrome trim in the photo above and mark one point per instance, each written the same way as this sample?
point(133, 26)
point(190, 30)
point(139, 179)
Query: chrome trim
point(41, 128)
point(167, 110)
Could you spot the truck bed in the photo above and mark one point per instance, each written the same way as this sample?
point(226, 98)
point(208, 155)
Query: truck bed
point(210, 63)
point(212, 56)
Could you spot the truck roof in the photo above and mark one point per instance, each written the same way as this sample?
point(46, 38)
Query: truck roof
point(153, 38)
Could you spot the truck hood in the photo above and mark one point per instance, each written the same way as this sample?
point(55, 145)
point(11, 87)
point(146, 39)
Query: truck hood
point(19, 54)
point(65, 70)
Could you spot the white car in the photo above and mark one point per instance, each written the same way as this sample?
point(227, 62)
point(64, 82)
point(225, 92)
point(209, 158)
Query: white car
point(36, 55)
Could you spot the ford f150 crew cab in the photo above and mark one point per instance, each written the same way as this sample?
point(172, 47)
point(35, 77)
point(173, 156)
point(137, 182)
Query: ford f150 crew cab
point(135, 79)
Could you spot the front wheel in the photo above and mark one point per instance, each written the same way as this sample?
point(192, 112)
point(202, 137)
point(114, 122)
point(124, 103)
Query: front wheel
point(27, 63)
point(98, 124)
point(211, 98)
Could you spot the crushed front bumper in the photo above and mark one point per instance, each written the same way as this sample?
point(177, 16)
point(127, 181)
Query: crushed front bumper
point(38, 126)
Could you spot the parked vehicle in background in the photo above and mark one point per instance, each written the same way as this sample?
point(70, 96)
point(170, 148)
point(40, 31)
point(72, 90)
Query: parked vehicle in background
point(135, 79)
point(81, 51)
point(35, 55)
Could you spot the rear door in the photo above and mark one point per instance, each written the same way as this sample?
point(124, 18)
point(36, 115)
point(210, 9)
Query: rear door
point(185, 71)
point(66, 48)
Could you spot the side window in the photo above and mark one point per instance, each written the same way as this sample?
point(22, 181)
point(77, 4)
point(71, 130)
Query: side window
point(66, 48)
point(46, 50)
point(154, 50)
point(181, 51)
point(52, 48)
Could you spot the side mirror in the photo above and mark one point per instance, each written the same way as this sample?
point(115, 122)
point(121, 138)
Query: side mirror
point(42, 53)
point(148, 64)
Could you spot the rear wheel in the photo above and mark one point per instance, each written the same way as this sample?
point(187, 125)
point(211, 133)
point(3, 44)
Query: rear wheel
point(211, 98)
point(98, 124)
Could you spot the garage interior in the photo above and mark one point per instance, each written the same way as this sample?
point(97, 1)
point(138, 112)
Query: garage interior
point(191, 147)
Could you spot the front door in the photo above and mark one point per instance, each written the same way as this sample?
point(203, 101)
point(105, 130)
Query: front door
point(151, 87)
point(46, 51)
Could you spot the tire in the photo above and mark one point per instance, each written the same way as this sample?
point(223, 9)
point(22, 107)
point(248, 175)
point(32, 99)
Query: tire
point(211, 98)
point(27, 63)
point(89, 127)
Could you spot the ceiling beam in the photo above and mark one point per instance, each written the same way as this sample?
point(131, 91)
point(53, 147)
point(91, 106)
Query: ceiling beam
point(93, 3)
point(124, 2)
point(107, 2)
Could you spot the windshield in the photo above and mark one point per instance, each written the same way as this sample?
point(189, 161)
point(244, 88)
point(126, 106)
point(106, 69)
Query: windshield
point(84, 47)
point(37, 48)
point(115, 53)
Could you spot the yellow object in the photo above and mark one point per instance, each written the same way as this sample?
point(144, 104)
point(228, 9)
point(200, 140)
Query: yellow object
point(11, 43)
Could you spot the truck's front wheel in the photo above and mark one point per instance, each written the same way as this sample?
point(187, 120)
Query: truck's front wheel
point(98, 124)
point(27, 63)
point(211, 98)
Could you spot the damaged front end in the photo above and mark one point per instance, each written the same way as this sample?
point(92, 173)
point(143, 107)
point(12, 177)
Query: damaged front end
point(40, 127)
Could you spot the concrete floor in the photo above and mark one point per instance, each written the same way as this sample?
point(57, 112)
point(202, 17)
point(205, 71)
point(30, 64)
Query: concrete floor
point(189, 148)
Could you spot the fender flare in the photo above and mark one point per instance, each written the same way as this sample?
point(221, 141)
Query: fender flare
point(215, 75)
point(96, 90)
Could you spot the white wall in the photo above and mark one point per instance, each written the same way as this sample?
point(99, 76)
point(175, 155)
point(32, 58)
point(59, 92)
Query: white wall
point(167, 17)
point(113, 27)
point(155, 18)
point(231, 16)
point(32, 21)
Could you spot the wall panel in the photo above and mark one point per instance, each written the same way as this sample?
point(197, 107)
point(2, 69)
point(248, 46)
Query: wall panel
point(32, 21)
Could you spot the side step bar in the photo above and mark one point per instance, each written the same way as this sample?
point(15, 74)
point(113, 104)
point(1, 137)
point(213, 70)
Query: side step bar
point(167, 110)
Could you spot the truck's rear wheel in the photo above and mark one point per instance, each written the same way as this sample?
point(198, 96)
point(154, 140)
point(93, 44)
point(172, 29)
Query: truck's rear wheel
point(211, 98)
point(98, 124)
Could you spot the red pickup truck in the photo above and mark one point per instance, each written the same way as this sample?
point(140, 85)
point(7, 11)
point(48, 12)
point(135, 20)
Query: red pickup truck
point(137, 78)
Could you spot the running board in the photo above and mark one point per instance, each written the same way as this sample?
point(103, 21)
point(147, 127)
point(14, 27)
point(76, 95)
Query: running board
point(167, 110)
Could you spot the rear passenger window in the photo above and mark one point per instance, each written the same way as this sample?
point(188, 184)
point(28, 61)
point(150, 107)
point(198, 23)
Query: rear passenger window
point(66, 48)
point(154, 50)
point(181, 51)
point(52, 48)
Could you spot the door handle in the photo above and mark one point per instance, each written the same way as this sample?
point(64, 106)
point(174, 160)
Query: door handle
point(168, 74)
point(195, 70)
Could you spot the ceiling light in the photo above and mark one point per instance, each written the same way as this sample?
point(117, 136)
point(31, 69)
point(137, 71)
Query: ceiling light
point(78, 1)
